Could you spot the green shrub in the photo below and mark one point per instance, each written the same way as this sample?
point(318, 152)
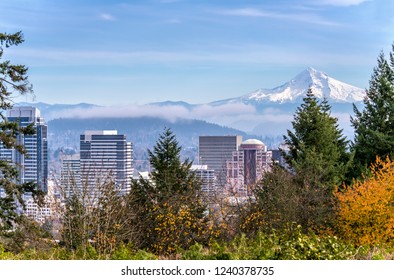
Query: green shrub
point(86, 253)
point(123, 252)
point(143, 255)
point(195, 252)
point(288, 244)
point(126, 252)
point(6, 255)
point(381, 252)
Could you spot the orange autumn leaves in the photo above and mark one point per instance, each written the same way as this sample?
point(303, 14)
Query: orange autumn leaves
point(366, 209)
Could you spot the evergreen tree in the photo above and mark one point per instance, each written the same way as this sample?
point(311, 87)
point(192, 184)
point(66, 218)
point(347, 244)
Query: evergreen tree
point(374, 124)
point(171, 176)
point(13, 81)
point(168, 207)
point(317, 145)
point(318, 158)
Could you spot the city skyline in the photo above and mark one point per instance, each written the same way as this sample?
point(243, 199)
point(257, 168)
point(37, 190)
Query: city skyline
point(150, 51)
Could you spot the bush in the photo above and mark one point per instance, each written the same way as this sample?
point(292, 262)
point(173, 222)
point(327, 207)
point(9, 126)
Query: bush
point(366, 209)
point(125, 252)
point(287, 244)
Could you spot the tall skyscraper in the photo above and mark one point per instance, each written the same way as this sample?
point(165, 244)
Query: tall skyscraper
point(206, 177)
point(34, 165)
point(70, 174)
point(215, 151)
point(247, 166)
point(105, 154)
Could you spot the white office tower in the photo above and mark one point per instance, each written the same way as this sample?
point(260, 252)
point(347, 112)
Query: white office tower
point(48, 211)
point(215, 151)
point(70, 175)
point(106, 155)
point(247, 167)
point(206, 177)
point(32, 167)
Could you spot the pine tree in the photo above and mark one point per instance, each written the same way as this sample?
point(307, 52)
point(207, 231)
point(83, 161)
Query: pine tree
point(317, 145)
point(13, 81)
point(171, 176)
point(318, 158)
point(168, 206)
point(374, 125)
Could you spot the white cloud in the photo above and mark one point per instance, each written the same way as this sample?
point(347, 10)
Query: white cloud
point(107, 17)
point(208, 111)
point(343, 3)
point(300, 17)
point(171, 113)
point(248, 12)
point(240, 116)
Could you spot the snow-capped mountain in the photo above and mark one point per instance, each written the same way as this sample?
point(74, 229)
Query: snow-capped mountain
point(293, 91)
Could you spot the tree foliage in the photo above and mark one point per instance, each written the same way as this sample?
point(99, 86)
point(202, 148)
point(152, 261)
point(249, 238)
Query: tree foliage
point(290, 243)
point(277, 202)
point(374, 124)
point(168, 206)
point(317, 146)
point(13, 77)
point(318, 159)
point(95, 216)
point(13, 82)
point(170, 175)
point(366, 209)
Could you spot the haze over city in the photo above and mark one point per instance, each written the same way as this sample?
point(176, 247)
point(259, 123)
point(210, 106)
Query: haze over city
point(137, 52)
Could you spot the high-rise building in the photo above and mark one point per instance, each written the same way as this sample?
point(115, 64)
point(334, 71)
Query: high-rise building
point(70, 174)
point(32, 167)
point(106, 154)
point(247, 166)
point(206, 177)
point(215, 151)
point(46, 211)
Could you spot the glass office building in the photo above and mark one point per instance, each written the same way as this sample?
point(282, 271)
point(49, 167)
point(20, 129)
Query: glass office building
point(104, 155)
point(215, 151)
point(32, 166)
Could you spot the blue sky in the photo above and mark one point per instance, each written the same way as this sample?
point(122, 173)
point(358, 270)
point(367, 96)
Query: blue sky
point(134, 52)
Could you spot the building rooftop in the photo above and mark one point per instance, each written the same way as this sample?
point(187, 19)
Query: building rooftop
point(101, 132)
point(23, 112)
point(198, 167)
point(252, 142)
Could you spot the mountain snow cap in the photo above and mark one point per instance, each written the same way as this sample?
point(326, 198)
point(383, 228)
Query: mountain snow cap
point(321, 84)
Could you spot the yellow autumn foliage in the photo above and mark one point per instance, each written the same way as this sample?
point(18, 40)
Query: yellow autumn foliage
point(366, 209)
point(252, 220)
point(179, 228)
